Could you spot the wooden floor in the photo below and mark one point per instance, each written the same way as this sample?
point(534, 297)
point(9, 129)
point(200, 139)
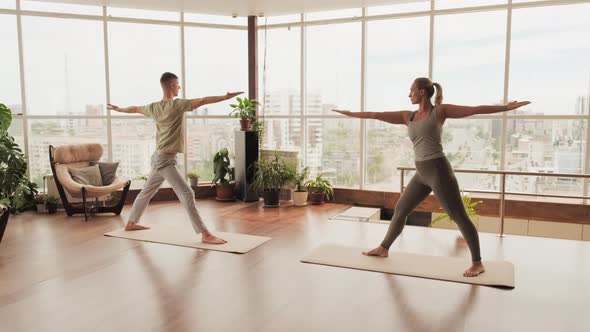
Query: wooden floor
point(59, 273)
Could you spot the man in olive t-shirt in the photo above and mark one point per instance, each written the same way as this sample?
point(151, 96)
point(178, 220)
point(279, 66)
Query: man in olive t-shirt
point(168, 115)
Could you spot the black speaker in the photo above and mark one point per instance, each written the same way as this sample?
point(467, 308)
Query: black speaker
point(246, 155)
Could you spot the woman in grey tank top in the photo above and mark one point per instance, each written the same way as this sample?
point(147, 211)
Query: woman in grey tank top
point(433, 170)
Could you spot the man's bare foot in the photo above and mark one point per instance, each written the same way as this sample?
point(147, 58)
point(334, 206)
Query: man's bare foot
point(135, 227)
point(379, 251)
point(207, 237)
point(475, 269)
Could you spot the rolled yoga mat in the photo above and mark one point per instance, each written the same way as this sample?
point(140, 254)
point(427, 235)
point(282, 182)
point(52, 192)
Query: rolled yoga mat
point(498, 273)
point(186, 237)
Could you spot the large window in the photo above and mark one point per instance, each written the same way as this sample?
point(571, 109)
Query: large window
point(10, 82)
point(64, 66)
point(138, 55)
point(469, 63)
point(216, 62)
point(308, 65)
point(549, 59)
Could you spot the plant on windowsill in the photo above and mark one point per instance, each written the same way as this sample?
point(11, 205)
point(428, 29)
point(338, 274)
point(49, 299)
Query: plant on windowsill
point(40, 203)
point(301, 182)
point(222, 180)
point(17, 193)
point(269, 177)
point(320, 190)
point(245, 109)
point(193, 178)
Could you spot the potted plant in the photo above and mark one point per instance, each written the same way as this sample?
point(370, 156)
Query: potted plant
point(17, 193)
point(51, 203)
point(270, 175)
point(40, 203)
point(193, 178)
point(224, 184)
point(301, 182)
point(245, 110)
point(320, 190)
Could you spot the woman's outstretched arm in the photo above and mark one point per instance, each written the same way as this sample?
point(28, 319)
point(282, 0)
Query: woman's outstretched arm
point(398, 117)
point(457, 111)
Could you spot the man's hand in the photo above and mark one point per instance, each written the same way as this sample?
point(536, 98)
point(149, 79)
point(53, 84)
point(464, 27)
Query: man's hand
point(343, 112)
point(230, 95)
point(112, 107)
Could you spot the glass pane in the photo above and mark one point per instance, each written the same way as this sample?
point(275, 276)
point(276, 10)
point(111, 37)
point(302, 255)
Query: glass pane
point(410, 6)
point(443, 4)
point(219, 68)
point(474, 144)
point(61, 8)
point(43, 133)
point(279, 19)
point(138, 55)
point(17, 131)
point(469, 63)
point(333, 150)
point(216, 19)
point(546, 146)
point(281, 84)
point(64, 66)
point(388, 147)
point(333, 68)
point(205, 138)
point(144, 14)
point(283, 134)
point(9, 66)
point(549, 61)
point(333, 14)
point(8, 4)
point(392, 69)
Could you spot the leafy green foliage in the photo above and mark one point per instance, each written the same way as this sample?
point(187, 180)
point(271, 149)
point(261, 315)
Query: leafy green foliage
point(271, 174)
point(301, 179)
point(469, 208)
point(221, 167)
point(244, 109)
point(321, 185)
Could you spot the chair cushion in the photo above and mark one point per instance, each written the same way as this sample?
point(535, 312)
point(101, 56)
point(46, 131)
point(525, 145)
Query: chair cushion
point(71, 153)
point(87, 175)
point(108, 172)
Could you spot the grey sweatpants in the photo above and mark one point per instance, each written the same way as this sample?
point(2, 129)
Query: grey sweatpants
point(434, 175)
point(164, 168)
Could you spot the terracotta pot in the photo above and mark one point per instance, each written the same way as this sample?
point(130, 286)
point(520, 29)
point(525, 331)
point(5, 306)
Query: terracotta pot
point(225, 192)
point(245, 124)
point(317, 198)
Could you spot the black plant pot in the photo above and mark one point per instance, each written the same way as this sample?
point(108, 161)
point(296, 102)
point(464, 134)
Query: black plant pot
point(271, 198)
point(3, 222)
point(51, 208)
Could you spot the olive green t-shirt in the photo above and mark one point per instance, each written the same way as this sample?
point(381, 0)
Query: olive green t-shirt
point(168, 115)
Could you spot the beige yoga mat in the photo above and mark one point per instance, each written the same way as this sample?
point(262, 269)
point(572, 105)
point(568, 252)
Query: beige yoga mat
point(186, 237)
point(498, 273)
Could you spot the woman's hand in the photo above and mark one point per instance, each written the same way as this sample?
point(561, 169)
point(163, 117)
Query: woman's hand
point(516, 104)
point(343, 112)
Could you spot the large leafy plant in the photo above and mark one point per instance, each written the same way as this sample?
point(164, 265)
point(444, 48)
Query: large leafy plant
point(221, 167)
point(301, 179)
point(244, 109)
point(469, 205)
point(271, 174)
point(15, 189)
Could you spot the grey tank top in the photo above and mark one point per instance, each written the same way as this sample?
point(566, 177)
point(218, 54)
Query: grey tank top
point(426, 137)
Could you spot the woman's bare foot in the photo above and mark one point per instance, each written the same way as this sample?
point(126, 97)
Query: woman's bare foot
point(207, 237)
point(475, 269)
point(379, 251)
point(135, 227)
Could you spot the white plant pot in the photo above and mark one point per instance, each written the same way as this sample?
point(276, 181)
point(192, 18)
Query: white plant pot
point(300, 198)
point(194, 182)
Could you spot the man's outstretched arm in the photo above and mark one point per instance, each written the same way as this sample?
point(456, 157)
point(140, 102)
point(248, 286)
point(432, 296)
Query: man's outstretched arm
point(130, 109)
point(198, 102)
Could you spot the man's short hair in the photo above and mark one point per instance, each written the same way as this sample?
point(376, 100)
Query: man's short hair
point(167, 78)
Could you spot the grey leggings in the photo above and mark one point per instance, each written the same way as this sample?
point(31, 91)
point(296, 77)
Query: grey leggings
point(164, 168)
point(434, 175)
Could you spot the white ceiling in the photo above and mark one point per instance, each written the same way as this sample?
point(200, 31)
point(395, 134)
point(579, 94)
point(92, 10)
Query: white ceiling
point(239, 7)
